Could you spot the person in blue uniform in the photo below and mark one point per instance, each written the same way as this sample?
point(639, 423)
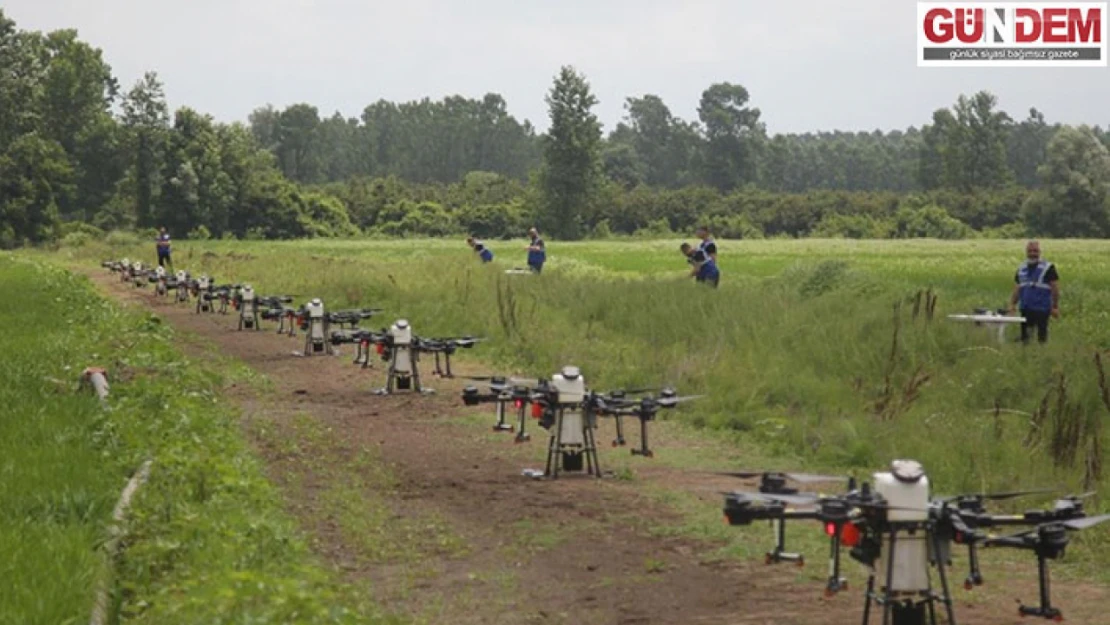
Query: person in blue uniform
point(706, 270)
point(703, 267)
point(1036, 293)
point(537, 251)
point(163, 245)
point(480, 248)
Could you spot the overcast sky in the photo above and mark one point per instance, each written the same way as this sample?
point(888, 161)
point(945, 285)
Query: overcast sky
point(809, 64)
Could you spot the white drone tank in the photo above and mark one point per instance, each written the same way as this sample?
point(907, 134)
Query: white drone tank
point(246, 294)
point(181, 275)
point(571, 388)
point(905, 486)
point(160, 271)
point(203, 282)
point(401, 332)
point(315, 310)
point(125, 263)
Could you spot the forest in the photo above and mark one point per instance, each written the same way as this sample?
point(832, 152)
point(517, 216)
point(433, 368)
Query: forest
point(81, 155)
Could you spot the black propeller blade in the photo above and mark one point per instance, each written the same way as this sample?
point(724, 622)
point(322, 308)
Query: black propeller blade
point(802, 478)
point(998, 496)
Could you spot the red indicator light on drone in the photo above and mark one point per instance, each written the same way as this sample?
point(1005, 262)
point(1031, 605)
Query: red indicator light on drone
point(830, 529)
point(380, 348)
point(519, 403)
point(537, 411)
point(849, 535)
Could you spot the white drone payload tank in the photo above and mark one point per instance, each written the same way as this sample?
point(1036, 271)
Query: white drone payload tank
point(401, 332)
point(315, 310)
point(906, 490)
point(571, 388)
point(246, 295)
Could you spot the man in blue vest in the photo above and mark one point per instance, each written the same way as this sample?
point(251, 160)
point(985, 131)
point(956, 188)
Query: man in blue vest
point(483, 252)
point(706, 270)
point(1037, 291)
point(537, 252)
point(164, 249)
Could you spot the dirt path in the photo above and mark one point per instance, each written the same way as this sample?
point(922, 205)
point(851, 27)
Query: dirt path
point(408, 496)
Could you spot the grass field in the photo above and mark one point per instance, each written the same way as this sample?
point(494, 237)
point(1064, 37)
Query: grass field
point(819, 352)
point(206, 541)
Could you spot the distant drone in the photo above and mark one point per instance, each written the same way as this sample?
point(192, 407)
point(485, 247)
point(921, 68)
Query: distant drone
point(569, 411)
point(899, 533)
point(401, 348)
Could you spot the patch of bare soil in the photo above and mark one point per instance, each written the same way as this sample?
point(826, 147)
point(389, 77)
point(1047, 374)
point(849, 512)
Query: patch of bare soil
point(499, 547)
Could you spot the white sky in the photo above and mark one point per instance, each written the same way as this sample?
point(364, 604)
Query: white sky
point(809, 64)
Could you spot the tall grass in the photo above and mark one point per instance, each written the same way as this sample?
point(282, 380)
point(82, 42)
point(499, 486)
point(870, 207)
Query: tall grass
point(823, 351)
point(206, 542)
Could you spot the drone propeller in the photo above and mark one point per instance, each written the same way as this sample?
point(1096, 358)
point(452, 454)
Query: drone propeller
point(530, 382)
point(670, 401)
point(996, 496)
point(1073, 524)
point(800, 499)
point(802, 478)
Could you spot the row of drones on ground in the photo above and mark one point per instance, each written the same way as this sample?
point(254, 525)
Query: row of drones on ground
point(892, 525)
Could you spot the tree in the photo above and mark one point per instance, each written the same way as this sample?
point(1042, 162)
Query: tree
point(146, 117)
point(733, 134)
point(1075, 198)
point(35, 178)
point(1027, 144)
point(571, 171)
point(297, 152)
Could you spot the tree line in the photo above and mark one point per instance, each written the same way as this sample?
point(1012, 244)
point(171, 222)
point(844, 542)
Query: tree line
point(78, 153)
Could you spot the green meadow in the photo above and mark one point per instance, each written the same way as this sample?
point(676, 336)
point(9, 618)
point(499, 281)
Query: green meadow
point(206, 540)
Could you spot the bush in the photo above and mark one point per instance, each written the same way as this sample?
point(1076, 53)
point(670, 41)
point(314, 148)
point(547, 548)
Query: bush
point(200, 233)
point(121, 238)
point(76, 239)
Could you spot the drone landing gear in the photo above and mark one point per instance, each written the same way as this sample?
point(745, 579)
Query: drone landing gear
point(501, 425)
point(1045, 609)
point(403, 381)
point(779, 553)
point(445, 371)
point(974, 578)
point(643, 450)
point(571, 460)
point(898, 608)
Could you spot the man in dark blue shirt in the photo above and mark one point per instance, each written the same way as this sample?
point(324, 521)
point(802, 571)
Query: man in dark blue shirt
point(483, 252)
point(537, 252)
point(164, 248)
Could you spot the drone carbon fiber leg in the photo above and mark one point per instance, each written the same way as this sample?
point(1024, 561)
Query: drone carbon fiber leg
point(553, 447)
point(974, 577)
point(501, 426)
point(946, 593)
point(1045, 610)
point(594, 465)
point(522, 417)
point(619, 440)
point(644, 450)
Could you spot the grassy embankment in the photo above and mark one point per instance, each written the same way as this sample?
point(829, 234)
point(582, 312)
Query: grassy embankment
point(206, 541)
point(819, 353)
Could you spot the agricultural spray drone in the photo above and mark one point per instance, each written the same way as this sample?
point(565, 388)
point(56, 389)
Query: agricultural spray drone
point(898, 533)
point(138, 274)
point(160, 279)
point(202, 290)
point(401, 348)
point(991, 319)
point(569, 411)
point(245, 301)
point(180, 284)
point(316, 322)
